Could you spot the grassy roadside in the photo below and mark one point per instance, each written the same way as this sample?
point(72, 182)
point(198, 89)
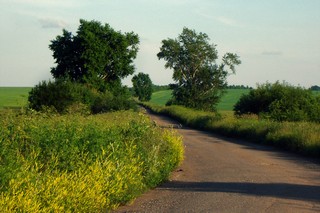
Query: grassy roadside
point(299, 137)
point(75, 163)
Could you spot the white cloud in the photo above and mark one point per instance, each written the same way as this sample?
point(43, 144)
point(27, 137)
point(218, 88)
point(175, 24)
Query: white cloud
point(52, 23)
point(221, 19)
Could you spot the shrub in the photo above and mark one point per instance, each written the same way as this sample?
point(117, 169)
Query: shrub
point(280, 102)
point(63, 95)
point(59, 95)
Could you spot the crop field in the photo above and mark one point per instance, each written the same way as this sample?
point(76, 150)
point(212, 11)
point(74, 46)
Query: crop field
point(226, 104)
point(14, 97)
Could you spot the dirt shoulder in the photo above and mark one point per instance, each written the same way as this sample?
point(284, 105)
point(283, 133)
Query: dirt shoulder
point(227, 175)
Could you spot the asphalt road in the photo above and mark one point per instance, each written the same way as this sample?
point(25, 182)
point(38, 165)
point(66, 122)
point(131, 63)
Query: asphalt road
point(227, 175)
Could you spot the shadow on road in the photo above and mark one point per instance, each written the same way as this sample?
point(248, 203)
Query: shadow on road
point(277, 190)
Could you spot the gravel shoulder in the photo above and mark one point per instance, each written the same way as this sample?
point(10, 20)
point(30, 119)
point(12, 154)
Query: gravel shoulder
point(227, 175)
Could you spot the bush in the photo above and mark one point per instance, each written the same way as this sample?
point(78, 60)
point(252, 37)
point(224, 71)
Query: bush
point(280, 102)
point(62, 96)
point(59, 95)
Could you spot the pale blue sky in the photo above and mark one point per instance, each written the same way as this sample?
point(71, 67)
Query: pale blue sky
point(276, 39)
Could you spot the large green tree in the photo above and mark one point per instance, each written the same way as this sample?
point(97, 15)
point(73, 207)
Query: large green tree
point(142, 86)
point(96, 55)
point(200, 80)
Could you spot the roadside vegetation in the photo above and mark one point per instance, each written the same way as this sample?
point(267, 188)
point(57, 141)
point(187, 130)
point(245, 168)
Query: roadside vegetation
point(76, 163)
point(299, 137)
point(276, 114)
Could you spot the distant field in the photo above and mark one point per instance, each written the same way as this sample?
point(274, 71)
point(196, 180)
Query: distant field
point(226, 104)
point(161, 97)
point(13, 97)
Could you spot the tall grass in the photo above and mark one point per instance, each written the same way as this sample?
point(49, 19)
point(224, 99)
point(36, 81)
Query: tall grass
point(72, 163)
point(300, 137)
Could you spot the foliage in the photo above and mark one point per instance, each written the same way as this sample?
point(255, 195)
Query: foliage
point(300, 137)
point(72, 163)
point(108, 101)
point(96, 55)
point(142, 86)
point(59, 95)
point(280, 102)
point(64, 96)
point(200, 80)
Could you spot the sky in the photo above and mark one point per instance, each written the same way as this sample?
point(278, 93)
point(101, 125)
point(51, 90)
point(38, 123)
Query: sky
point(275, 39)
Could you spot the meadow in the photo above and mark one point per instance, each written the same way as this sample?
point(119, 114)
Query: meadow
point(226, 104)
point(13, 97)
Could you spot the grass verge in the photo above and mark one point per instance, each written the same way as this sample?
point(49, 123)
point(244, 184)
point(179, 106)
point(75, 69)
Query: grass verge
point(300, 137)
point(75, 163)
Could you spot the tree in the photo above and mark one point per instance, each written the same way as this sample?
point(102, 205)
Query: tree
point(200, 80)
point(97, 55)
point(142, 86)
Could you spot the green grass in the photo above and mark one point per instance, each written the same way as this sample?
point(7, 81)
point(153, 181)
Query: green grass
point(226, 104)
point(161, 97)
point(230, 99)
point(14, 97)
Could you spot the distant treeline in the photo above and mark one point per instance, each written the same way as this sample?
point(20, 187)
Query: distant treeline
point(315, 88)
point(157, 88)
point(238, 87)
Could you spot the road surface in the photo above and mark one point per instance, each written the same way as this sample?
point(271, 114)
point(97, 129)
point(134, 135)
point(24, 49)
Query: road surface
point(227, 175)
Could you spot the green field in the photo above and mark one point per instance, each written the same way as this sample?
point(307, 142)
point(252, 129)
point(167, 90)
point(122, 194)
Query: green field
point(226, 104)
point(13, 97)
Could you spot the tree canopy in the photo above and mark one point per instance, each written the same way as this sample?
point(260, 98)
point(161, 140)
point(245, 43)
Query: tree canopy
point(200, 80)
point(96, 55)
point(142, 86)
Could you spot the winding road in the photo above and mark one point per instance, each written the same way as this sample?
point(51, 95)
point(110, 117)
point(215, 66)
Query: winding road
point(227, 175)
